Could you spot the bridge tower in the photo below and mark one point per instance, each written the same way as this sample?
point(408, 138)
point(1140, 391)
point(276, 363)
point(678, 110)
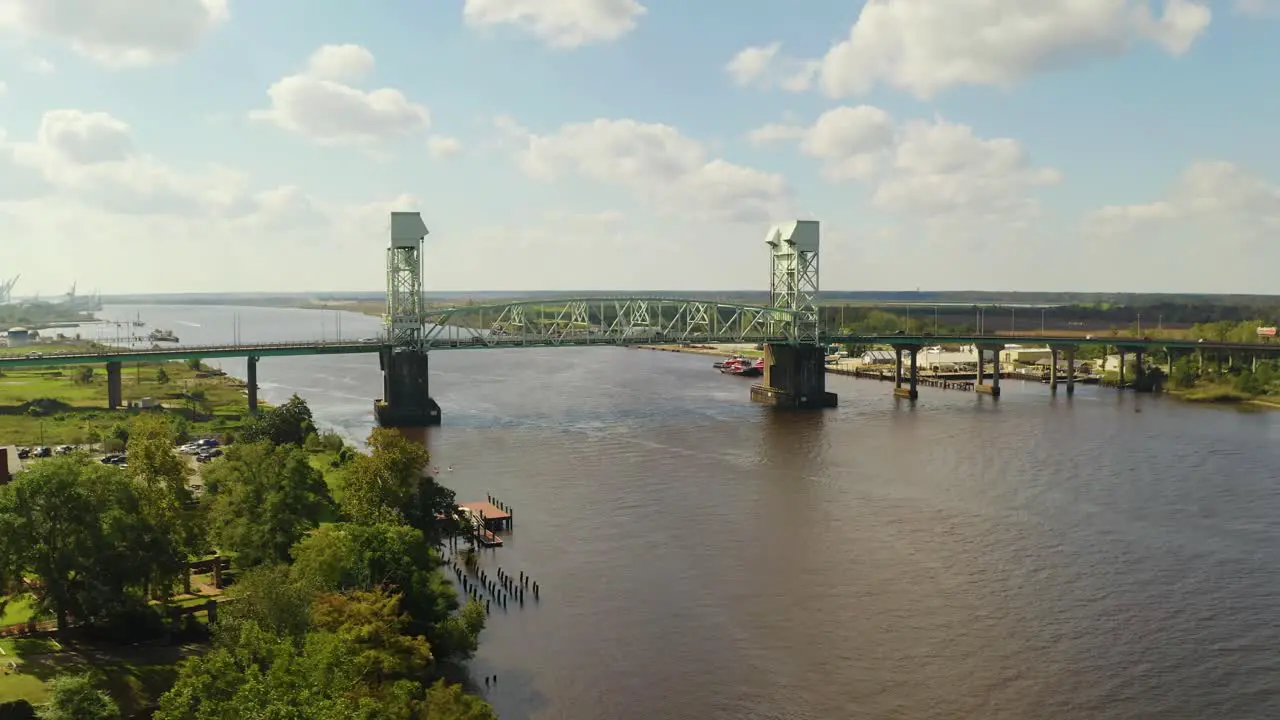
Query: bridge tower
point(795, 372)
point(406, 398)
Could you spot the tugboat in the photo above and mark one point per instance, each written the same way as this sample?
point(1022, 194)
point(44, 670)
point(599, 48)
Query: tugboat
point(729, 361)
point(162, 336)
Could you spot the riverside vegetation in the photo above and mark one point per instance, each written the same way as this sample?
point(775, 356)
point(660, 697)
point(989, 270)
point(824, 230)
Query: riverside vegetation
point(337, 607)
point(67, 404)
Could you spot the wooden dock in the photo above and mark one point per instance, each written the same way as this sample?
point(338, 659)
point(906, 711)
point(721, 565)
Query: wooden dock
point(487, 518)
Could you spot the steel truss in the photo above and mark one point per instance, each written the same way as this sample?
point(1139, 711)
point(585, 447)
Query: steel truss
point(606, 321)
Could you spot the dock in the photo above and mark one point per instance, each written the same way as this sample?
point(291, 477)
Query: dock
point(487, 518)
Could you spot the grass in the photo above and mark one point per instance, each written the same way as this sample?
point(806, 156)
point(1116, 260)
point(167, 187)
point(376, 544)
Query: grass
point(17, 610)
point(135, 675)
point(75, 412)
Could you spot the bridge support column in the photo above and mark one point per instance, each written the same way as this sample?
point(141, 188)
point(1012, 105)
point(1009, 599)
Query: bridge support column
point(1071, 370)
point(994, 388)
point(406, 398)
point(795, 377)
point(1139, 371)
point(897, 367)
point(251, 383)
point(914, 392)
point(1122, 358)
point(115, 388)
point(1053, 369)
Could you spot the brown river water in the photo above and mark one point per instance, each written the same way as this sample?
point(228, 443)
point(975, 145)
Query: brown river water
point(1105, 556)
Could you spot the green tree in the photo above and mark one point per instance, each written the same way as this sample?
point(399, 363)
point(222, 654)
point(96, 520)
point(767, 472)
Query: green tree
point(390, 485)
point(395, 558)
point(75, 697)
point(1183, 375)
point(265, 498)
point(287, 424)
point(164, 476)
point(81, 530)
point(271, 597)
point(162, 377)
point(372, 624)
point(83, 375)
point(449, 702)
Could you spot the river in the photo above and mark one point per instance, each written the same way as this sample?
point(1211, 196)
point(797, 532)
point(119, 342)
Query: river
point(1105, 556)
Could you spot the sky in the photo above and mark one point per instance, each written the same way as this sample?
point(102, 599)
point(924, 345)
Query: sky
point(235, 146)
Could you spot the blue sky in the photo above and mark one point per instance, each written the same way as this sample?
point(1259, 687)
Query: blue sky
point(206, 145)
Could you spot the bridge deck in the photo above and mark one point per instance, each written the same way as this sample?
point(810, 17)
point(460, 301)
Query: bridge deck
point(477, 342)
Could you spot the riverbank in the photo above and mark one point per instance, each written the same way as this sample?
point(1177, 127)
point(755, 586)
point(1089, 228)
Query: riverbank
point(67, 404)
point(1224, 395)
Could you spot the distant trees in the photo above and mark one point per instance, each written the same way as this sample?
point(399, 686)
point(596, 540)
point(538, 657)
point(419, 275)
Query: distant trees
point(287, 424)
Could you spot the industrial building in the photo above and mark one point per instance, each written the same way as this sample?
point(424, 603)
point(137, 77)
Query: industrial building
point(20, 337)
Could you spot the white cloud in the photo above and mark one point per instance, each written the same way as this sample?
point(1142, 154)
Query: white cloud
point(1212, 204)
point(849, 140)
point(4, 88)
point(925, 46)
point(340, 62)
point(764, 66)
point(440, 146)
point(40, 66)
point(563, 24)
point(317, 104)
point(667, 169)
point(1258, 8)
point(118, 33)
point(83, 176)
point(933, 170)
point(85, 138)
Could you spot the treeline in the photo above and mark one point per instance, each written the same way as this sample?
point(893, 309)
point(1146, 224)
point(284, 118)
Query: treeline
point(35, 315)
point(338, 607)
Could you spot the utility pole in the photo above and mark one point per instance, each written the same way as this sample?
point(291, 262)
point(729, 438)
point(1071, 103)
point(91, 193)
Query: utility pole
point(935, 319)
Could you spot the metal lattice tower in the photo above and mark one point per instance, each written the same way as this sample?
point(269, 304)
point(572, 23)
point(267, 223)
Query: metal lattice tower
point(793, 280)
point(404, 280)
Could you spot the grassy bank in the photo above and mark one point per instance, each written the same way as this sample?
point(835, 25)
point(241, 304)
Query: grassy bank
point(67, 404)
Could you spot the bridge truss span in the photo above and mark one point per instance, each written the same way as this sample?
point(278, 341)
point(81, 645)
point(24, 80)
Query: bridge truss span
point(604, 321)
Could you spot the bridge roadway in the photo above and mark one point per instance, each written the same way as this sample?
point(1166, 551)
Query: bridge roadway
point(493, 342)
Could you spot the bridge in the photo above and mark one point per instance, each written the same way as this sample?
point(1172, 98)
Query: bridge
point(789, 327)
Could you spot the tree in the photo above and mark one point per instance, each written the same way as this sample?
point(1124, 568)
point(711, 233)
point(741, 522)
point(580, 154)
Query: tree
point(83, 375)
point(287, 424)
point(81, 529)
point(449, 702)
point(1183, 376)
point(371, 623)
point(163, 476)
point(74, 697)
point(346, 557)
point(272, 598)
point(162, 377)
point(265, 498)
point(389, 485)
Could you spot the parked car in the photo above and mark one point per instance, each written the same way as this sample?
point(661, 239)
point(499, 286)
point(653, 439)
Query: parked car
point(24, 453)
point(44, 452)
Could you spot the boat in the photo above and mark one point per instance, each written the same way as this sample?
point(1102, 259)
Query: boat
point(751, 369)
point(732, 359)
point(162, 336)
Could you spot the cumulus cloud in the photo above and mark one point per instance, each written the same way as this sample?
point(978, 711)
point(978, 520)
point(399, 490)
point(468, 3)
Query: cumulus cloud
point(764, 66)
point(440, 146)
point(563, 24)
point(671, 171)
point(1258, 8)
point(85, 194)
point(924, 46)
point(118, 33)
point(319, 104)
point(927, 169)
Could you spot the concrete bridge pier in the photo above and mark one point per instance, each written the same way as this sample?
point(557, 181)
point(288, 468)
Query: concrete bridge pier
point(406, 400)
point(795, 377)
point(1121, 352)
point(251, 383)
point(1071, 369)
point(911, 392)
point(981, 387)
point(1053, 369)
point(115, 387)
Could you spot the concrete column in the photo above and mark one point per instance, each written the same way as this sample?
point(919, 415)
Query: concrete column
point(897, 367)
point(982, 369)
point(1053, 369)
point(252, 384)
point(115, 389)
point(1122, 359)
point(995, 371)
point(915, 351)
point(1071, 370)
